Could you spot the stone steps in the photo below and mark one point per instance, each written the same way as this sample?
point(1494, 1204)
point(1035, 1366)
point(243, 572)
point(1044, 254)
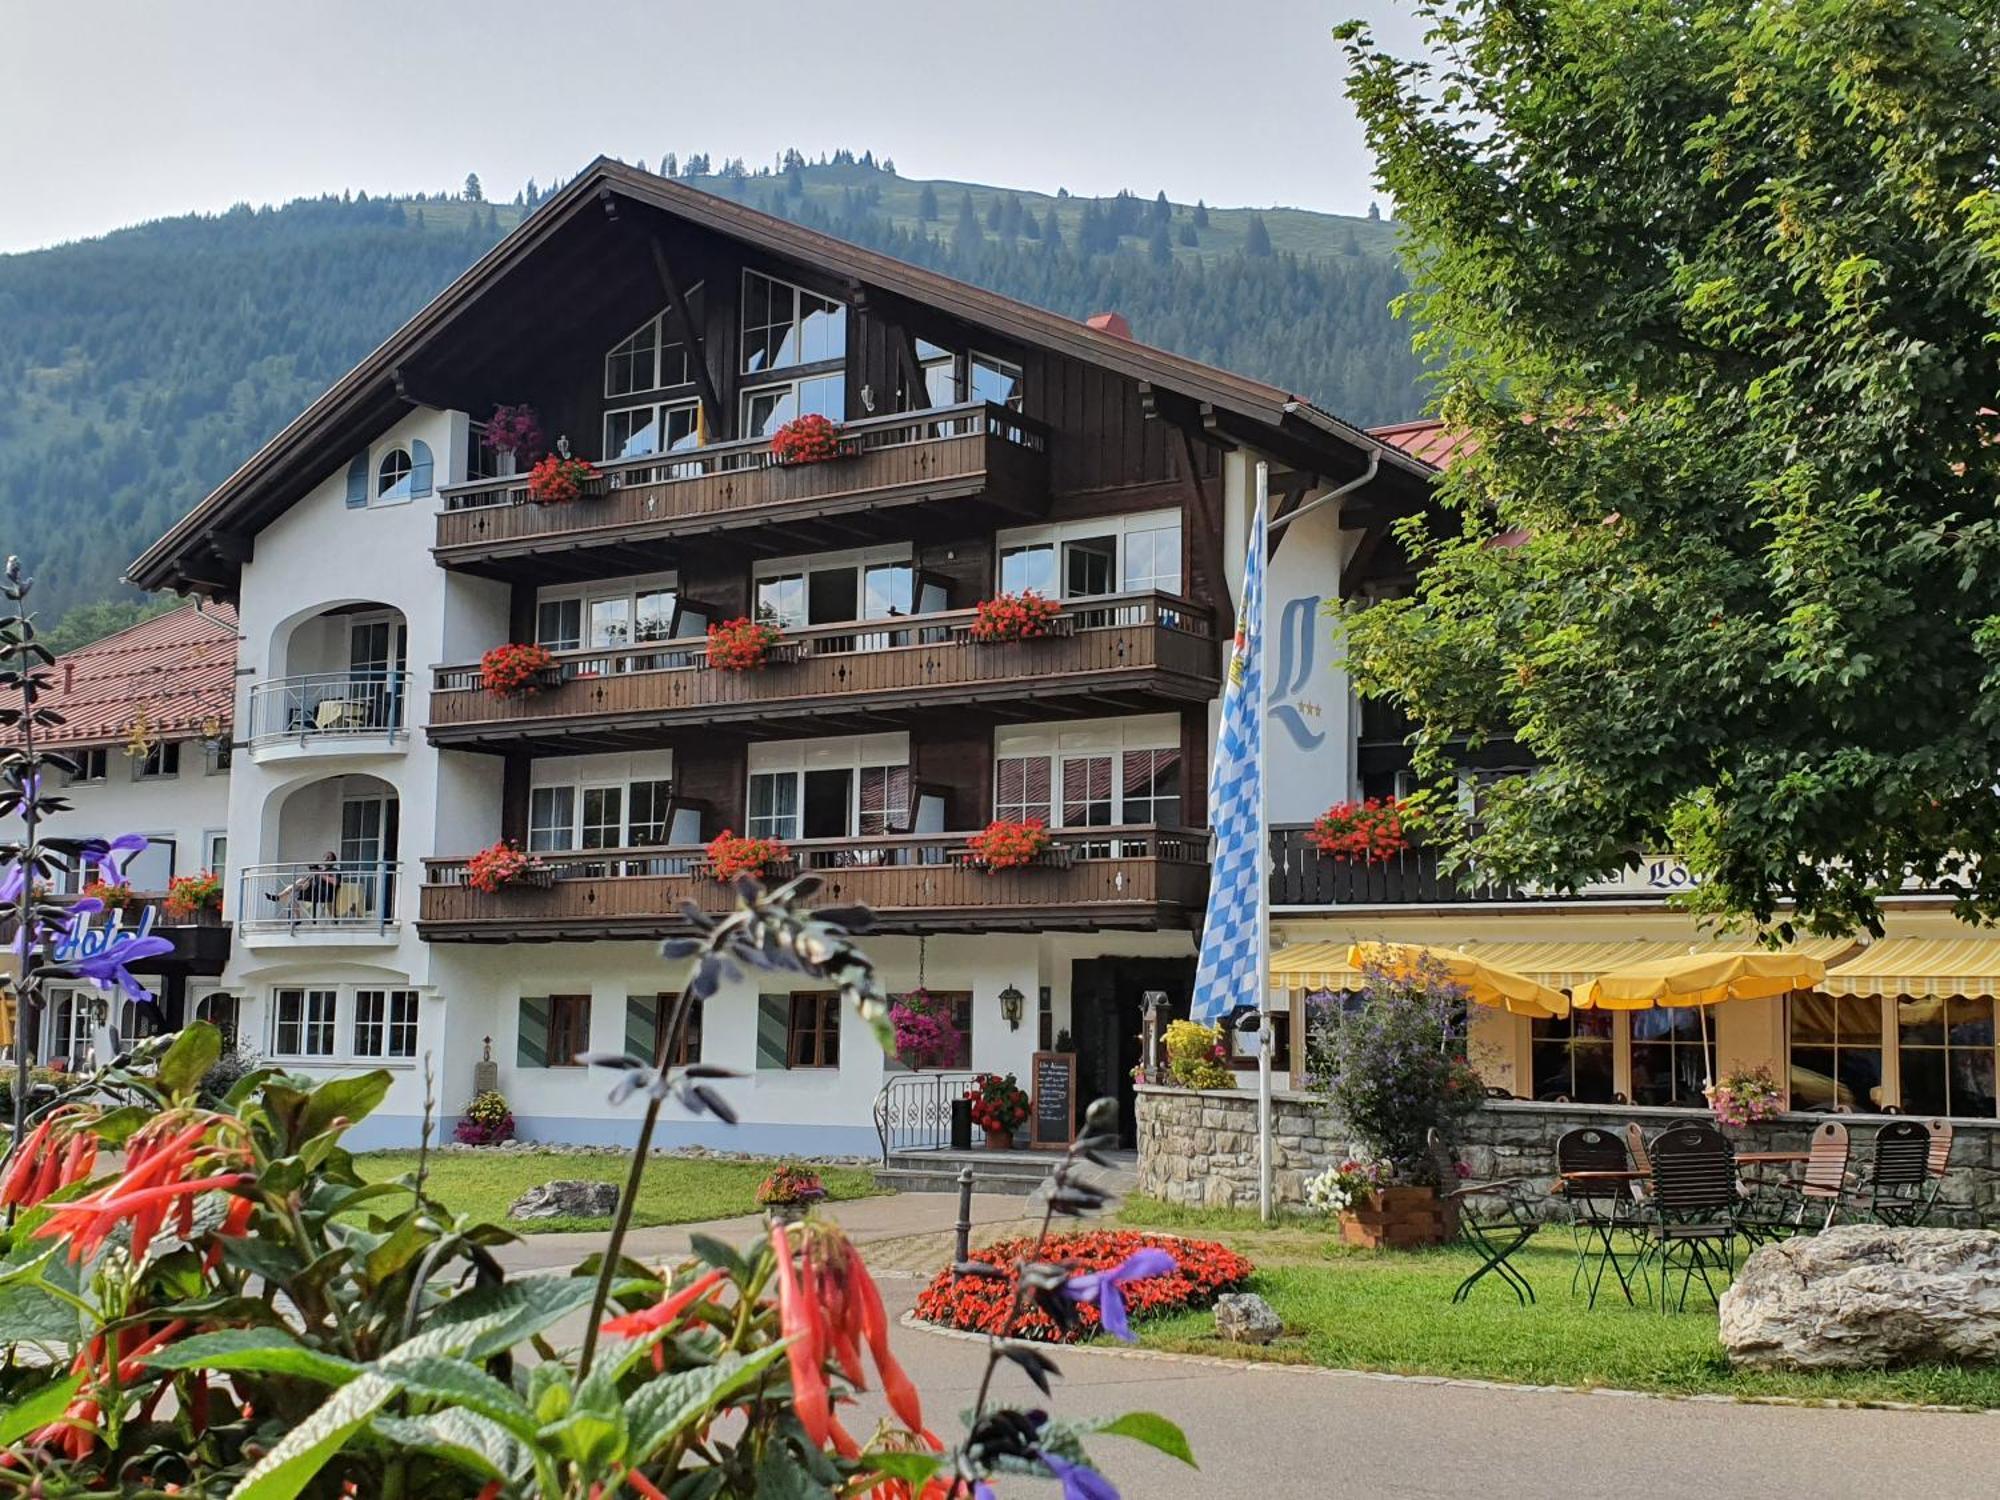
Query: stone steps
point(1012, 1172)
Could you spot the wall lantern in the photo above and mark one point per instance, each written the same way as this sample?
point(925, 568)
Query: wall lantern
point(1010, 1007)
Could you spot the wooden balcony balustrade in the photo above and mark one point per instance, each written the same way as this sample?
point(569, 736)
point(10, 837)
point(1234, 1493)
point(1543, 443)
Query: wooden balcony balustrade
point(972, 450)
point(1122, 652)
point(1098, 878)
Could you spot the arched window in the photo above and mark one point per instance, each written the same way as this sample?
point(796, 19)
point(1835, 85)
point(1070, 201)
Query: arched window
point(392, 475)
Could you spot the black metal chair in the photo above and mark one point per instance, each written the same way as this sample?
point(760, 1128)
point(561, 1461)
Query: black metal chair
point(1691, 1215)
point(1899, 1180)
point(1599, 1209)
point(1494, 1235)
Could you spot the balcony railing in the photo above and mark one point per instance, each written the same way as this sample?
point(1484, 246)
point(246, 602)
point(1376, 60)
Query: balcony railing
point(1151, 644)
point(956, 450)
point(328, 706)
point(323, 896)
point(1126, 877)
point(1302, 876)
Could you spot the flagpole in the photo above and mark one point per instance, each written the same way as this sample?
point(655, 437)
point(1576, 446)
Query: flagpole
point(1264, 1038)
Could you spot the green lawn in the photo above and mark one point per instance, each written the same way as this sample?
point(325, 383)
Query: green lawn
point(1391, 1310)
point(675, 1190)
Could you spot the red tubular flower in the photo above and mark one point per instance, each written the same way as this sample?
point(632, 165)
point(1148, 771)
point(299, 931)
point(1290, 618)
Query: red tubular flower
point(800, 1321)
point(143, 1196)
point(27, 1163)
point(233, 1226)
point(664, 1314)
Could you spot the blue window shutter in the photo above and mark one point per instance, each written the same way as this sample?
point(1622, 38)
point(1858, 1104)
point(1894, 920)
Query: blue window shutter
point(531, 1042)
point(420, 467)
point(774, 1031)
point(357, 483)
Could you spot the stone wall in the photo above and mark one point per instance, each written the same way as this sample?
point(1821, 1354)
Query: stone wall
point(1199, 1148)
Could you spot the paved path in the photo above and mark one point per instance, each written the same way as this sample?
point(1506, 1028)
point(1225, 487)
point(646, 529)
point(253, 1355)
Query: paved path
point(1266, 1432)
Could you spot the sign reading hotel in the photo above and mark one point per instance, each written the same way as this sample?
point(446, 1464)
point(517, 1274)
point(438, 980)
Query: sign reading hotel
point(81, 940)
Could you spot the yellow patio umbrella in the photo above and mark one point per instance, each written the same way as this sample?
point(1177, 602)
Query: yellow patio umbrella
point(1701, 980)
point(1482, 982)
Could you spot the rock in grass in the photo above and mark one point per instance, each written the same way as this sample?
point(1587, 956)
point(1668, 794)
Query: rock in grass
point(1866, 1297)
point(567, 1198)
point(1245, 1318)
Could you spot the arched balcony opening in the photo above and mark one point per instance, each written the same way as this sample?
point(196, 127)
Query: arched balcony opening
point(332, 852)
point(338, 683)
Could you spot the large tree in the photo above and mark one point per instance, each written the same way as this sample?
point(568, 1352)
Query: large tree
point(1712, 287)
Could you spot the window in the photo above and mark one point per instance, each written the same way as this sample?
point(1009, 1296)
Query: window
point(392, 475)
point(603, 816)
point(305, 1023)
point(831, 588)
point(650, 806)
point(385, 1023)
point(1668, 1061)
point(90, 764)
point(1029, 567)
point(813, 1039)
point(770, 407)
point(221, 756)
point(606, 617)
point(784, 325)
point(482, 459)
point(647, 1015)
point(1097, 774)
point(219, 1010)
point(559, 624)
point(600, 815)
point(774, 805)
point(1021, 789)
point(1088, 559)
point(834, 788)
point(215, 850)
point(995, 381)
point(635, 431)
point(1571, 1056)
point(551, 817)
point(1153, 559)
point(162, 759)
point(884, 800)
point(1836, 1052)
point(1152, 787)
point(152, 868)
point(569, 1029)
point(1944, 1047)
point(650, 358)
point(1087, 801)
point(940, 370)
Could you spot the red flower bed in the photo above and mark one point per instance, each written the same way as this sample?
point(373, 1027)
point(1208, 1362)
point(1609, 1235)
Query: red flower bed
point(558, 481)
point(811, 439)
point(732, 856)
point(1362, 833)
point(980, 1304)
point(514, 670)
point(740, 645)
point(1008, 845)
point(1015, 617)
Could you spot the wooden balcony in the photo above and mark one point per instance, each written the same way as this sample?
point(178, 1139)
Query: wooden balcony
point(1124, 653)
point(1098, 879)
point(1302, 876)
point(987, 456)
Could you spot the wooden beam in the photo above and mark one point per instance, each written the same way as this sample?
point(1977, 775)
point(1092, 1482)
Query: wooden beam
point(1287, 494)
point(1206, 508)
point(1356, 567)
point(233, 546)
point(704, 381)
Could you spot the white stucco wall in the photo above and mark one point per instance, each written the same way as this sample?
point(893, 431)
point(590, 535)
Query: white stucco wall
point(182, 809)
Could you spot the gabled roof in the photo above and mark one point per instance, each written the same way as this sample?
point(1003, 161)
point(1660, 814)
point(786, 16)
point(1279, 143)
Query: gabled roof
point(215, 536)
point(1425, 439)
point(178, 670)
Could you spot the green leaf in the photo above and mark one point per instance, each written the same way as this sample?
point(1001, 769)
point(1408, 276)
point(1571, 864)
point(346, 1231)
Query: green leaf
point(714, 1253)
point(38, 1410)
point(351, 1098)
point(1155, 1431)
point(781, 1477)
point(591, 1440)
point(268, 1349)
point(456, 1383)
point(524, 1307)
point(912, 1468)
point(187, 1061)
point(464, 1438)
point(412, 1237)
point(301, 1453)
point(662, 1408)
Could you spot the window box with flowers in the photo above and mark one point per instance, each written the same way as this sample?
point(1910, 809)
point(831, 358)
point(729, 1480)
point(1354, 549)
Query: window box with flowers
point(516, 670)
point(193, 898)
point(557, 480)
point(1026, 616)
point(730, 856)
point(810, 439)
point(1361, 833)
point(113, 897)
point(505, 864)
point(741, 645)
point(999, 1107)
point(1010, 844)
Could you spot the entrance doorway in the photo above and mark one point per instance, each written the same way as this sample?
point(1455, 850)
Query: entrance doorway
point(1107, 1024)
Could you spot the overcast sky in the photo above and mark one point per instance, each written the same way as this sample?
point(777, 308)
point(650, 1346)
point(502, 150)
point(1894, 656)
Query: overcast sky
point(114, 111)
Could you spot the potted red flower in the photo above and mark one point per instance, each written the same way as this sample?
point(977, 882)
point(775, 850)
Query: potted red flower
point(730, 856)
point(190, 895)
point(740, 645)
point(515, 670)
point(503, 864)
point(1369, 832)
point(810, 439)
point(1026, 616)
point(558, 481)
point(999, 1107)
point(1007, 844)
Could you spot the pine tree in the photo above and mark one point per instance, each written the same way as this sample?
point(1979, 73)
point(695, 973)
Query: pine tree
point(1052, 230)
point(1200, 214)
point(1159, 250)
point(967, 235)
point(927, 207)
point(795, 178)
point(1374, 212)
point(1190, 236)
point(1351, 244)
point(1257, 240)
point(472, 192)
point(1162, 210)
point(670, 165)
point(993, 213)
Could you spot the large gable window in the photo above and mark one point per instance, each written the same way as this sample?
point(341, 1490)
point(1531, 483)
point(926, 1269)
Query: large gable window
point(652, 357)
point(785, 325)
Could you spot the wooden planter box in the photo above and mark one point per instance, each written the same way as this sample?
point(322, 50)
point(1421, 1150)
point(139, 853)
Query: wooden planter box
point(1401, 1218)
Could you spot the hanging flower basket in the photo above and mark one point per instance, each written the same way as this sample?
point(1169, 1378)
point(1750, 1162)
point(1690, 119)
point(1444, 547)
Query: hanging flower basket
point(190, 895)
point(741, 645)
point(516, 670)
point(811, 439)
point(1026, 616)
point(730, 856)
point(559, 481)
point(1748, 1096)
point(1005, 844)
point(925, 1035)
point(516, 430)
point(1360, 833)
point(506, 864)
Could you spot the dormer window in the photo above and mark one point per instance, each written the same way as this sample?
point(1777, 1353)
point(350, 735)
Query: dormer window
point(392, 475)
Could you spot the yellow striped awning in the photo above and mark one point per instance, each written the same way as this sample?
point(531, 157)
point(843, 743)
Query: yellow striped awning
point(1920, 967)
point(1559, 965)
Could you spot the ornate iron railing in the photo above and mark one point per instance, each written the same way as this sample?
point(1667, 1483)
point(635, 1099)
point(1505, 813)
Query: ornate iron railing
point(913, 1110)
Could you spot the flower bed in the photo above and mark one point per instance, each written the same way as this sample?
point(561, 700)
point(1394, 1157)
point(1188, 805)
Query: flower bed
point(810, 439)
point(1025, 616)
point(740, 645)
point(1365, 833)
point(514, 670)
point(487, 1120)
point(980, 1304)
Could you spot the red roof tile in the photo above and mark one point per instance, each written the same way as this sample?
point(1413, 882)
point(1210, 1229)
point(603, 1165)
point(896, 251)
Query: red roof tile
point(1425, 439)
point(179, 668)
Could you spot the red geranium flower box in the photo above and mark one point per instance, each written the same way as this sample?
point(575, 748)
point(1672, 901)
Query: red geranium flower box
point(810, 439)
point(504, 864)
point(730, 856)
point(1361, 833)
point(515, 670)
point(558, 481)
point(1008, 845)
point(1025, 616)
point(740, 645)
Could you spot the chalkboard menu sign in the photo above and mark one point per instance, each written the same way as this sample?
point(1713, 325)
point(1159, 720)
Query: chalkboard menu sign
point(1053, 1124)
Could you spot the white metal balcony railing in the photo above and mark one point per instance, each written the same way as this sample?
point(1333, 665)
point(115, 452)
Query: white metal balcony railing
point(329, 705)
point(326, 895)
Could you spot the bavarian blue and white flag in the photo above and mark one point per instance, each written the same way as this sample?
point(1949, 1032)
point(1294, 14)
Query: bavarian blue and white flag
point(1227, 976)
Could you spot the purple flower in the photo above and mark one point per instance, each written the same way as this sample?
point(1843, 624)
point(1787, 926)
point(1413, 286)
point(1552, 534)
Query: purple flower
point(110, 968)
point(1106, 1289)
point(109, 857)
point(1078, 1481)
point(13, 882)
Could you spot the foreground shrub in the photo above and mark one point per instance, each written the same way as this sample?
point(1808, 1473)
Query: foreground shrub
point(981, 1303)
